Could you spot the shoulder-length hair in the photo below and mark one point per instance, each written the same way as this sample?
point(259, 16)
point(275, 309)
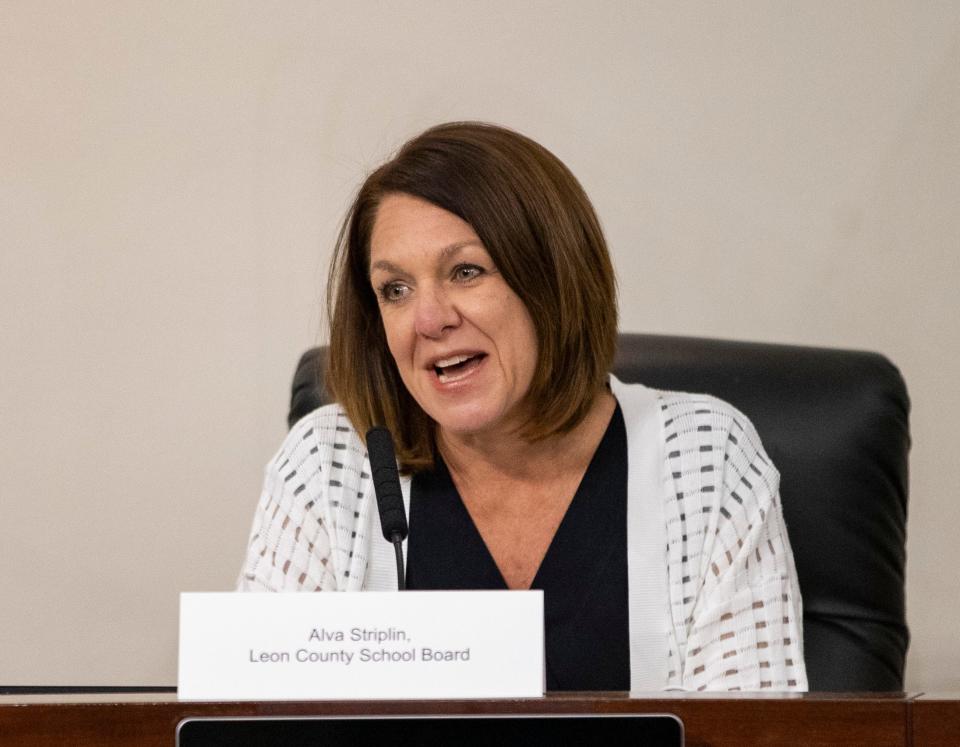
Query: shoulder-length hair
point(542, 234)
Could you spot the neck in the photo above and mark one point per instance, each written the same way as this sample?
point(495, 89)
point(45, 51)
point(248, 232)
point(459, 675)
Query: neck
point(509, 456)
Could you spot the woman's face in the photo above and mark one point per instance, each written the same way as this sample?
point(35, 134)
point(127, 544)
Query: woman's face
point(463, 341)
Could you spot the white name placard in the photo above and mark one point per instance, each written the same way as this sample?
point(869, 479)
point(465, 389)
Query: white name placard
point(366, 645)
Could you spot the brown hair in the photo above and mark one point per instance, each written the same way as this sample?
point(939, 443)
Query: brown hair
point(542, 234)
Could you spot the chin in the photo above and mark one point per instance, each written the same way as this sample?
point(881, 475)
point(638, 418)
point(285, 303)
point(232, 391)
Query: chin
point(466, 423)
point(457, 427)
point(471, 422)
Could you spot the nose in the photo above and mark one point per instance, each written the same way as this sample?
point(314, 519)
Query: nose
point(435, 313)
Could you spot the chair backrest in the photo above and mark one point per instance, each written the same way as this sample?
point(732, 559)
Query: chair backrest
point(835, 422)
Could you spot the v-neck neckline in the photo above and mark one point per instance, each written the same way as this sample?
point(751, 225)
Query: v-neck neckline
point(583, 573)
point(566, 539)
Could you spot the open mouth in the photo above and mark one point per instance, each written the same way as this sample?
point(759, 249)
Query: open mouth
point(457, 367)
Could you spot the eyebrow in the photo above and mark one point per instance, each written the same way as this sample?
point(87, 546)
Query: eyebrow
point(445, 253)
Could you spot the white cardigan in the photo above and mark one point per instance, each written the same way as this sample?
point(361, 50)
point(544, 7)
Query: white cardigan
point(713, 598)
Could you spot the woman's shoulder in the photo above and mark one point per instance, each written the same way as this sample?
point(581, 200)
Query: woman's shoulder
point(325, 429)
point(717, 434)
point(704, 412)
point(325, 418)
point(322, 447)
point(714, 458)
point(698, 421)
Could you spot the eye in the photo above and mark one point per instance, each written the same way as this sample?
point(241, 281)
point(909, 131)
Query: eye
point(466, 273)
point(393, 292)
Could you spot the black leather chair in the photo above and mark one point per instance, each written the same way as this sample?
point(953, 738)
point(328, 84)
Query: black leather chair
point(835, 422)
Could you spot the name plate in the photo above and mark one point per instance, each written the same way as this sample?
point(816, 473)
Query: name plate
point(364, 645)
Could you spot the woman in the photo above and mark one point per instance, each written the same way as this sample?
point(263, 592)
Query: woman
point(473, 313)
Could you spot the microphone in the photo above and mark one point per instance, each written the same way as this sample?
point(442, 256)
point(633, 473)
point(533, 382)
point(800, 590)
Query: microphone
point(386, 485)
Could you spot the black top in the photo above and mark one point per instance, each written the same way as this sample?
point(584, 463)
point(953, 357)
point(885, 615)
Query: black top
point(583, 574)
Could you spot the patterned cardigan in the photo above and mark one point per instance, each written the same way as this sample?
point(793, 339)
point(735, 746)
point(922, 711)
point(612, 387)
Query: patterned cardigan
point(713, 597)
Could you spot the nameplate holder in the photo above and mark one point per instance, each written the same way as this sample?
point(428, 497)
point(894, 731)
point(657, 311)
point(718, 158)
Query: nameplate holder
point(361, 646)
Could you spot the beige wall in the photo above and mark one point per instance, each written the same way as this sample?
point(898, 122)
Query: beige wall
point(172, 174)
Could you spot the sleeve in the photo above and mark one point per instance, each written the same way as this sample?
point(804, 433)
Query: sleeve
point(743, 628)
point(289, 547)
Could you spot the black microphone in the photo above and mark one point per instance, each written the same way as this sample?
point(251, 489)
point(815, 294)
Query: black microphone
point(386, 484)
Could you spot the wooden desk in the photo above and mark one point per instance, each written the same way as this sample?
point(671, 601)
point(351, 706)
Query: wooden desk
point(147, 719)
point(935, 720)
